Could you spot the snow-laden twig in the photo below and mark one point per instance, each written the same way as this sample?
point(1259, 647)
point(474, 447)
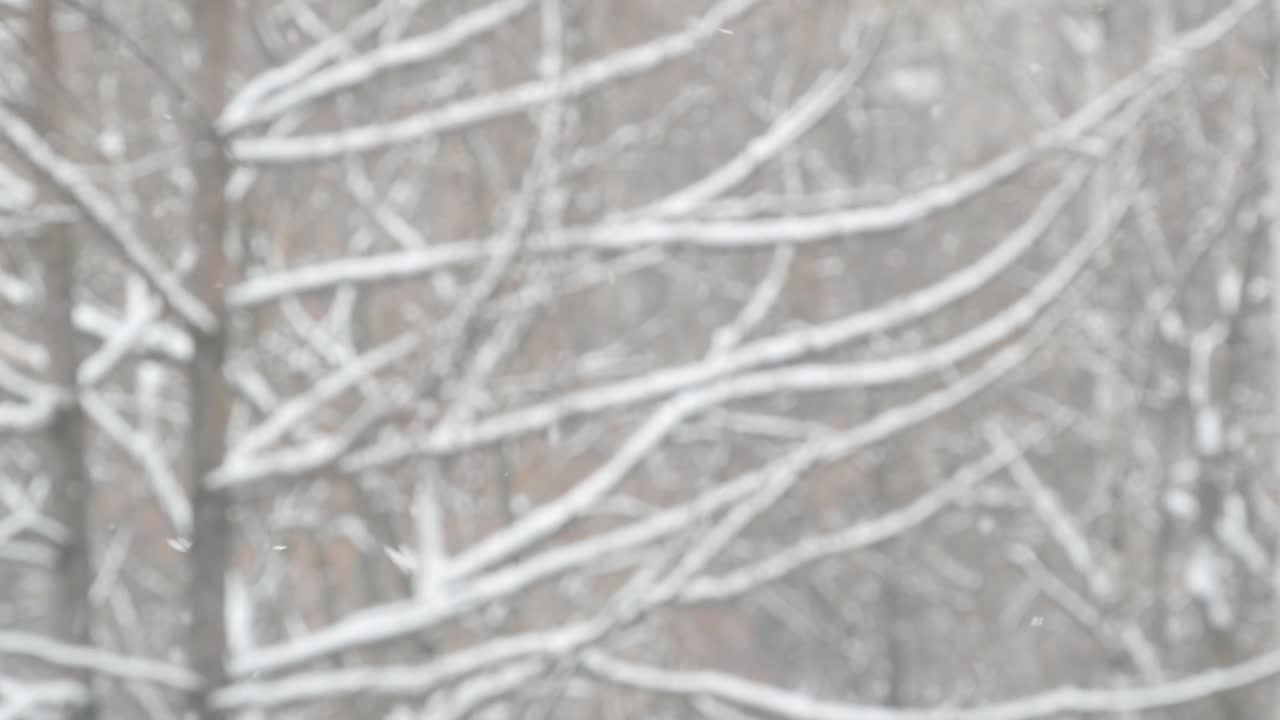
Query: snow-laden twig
point(909, 210)
point(726, 234)
point(16, 194)
point(897, 369)
point(15, 290)
point(26, 417)
point(815, 104)
point(1060, 702)
point(767, 292)
point(484, 689)
point(472, 111)
point(17, 383)
point(103, 662)
point(19, 699)
point(110, 566)
point(398, 619)
point(1113, 634)
point(257, 107)
point(167, 487)
point(859, 535)
point(383, 267)
point(507, 581)
point(1048, 507)
point(432, 556)
point(105, 217)
point(296, 70)
point(784, 347)
point(34, 554)
point(310, 686)
point(160, 338)
point(404, 680)
point(95, 368)
point(308, 457)
point(39, 401)
point(1073, 603)
point(294, 411)
point(552, 516)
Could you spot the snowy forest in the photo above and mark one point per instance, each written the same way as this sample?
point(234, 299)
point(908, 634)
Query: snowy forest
point(595, 359)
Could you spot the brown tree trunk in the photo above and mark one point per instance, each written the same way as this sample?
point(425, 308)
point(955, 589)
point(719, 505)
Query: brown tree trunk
point(64, 441)
point(209, 395)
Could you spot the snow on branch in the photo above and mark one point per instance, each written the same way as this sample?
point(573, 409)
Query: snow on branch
point(106, 217)
point(465, 113)
point(294, 71)
point(289, 414)
point(553, 515)
point(383, 267)
point(1049, 508)
point(104, 662)
point(167, 487)
point(778, 702)
point(404, 680)
point(252, 108)
point(550, 517)
point(812, 107)
point(859, 535)
point(16, 194)
point(725, 234)
point(783, 347)
point(19, 699)
point(393, 620)
point(27, 417)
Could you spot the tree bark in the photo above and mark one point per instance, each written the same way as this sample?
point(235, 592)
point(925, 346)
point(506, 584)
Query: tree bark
point(209, 395)
point(64, 443)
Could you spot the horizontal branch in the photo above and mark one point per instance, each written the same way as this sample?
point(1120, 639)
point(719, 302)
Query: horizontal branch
point(27, 416)
point(20, 698)
point(102, 662)
point(778, 702)
point(404, 680)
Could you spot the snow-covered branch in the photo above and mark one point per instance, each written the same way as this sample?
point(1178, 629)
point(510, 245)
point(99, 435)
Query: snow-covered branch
point(780, 348)
point(860, 535)
point(105, 216)
point(760, 697)
point(474, 111)
point(104, 662)
point(396, 620)
point(21, 699)
point(264, 101)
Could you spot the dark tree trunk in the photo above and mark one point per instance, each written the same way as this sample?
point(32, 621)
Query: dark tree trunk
point(209, 395)
point(64, 440)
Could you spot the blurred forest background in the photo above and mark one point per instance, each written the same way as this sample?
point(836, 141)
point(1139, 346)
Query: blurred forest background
point(726, 359)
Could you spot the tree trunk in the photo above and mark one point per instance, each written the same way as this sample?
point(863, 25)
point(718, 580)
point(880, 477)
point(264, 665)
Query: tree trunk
point(209, 395)
point(64, 440)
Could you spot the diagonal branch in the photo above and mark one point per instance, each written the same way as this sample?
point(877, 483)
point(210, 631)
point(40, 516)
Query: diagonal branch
point(105, 217)
point(465, 113)
point(251, 108)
